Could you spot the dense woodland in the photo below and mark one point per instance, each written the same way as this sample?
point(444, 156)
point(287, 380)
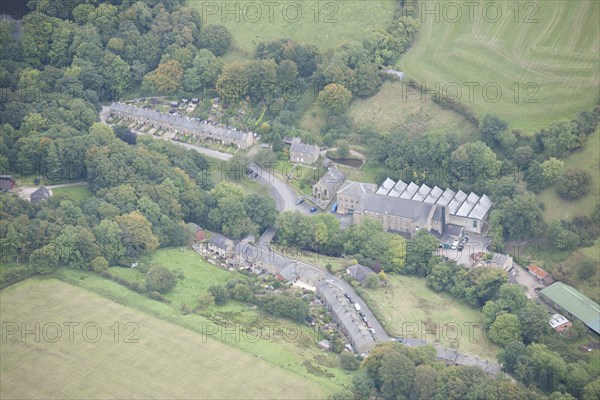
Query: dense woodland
point(73, 57)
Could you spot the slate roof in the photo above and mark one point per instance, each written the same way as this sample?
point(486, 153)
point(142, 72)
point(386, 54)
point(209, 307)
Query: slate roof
point(304, 148)
point(297, 271)
point(220, 241)
point(359, 272)
point(346, 315)
point(414, 210)
point(356, 188)
point(182, 122)
point(332, 180)
point(41, 194)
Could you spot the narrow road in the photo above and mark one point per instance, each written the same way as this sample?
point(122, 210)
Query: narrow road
point(380, 334)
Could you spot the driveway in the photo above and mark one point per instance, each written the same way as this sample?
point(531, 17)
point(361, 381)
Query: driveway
point(476, 244)
point(528, 282)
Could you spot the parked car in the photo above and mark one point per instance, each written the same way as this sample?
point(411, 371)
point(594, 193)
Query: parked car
point(372, 331)
point(460, 247)
point(313, 209)
point(346, 295)
point(300, 201)
point(311, 321)
point(357, 307)
point(365, 320)
point(454, 245)
point(465, 240)
point(362, 314)
point(368, 324)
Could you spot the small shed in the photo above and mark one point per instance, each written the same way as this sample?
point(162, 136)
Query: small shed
point(325, 345)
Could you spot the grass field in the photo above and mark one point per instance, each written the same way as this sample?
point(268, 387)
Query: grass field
point(272, 347)
point(407, 303)
point(77, 193)
point(393, 108)
point(166, 362)
point(588, 158)
point(558, 53)
point(324, 24)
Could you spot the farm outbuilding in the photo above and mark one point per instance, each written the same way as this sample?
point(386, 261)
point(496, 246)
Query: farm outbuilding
point(573, 304)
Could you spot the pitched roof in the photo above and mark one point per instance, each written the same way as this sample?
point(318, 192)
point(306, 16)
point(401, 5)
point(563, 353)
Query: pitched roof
point(332, 179)
point(410, 191)
point(346, 315)
point(359, 272)
point(446, 197)
point(356, 188)
point(458, 203)
point(304, 148)
point(386, 186)
point(575, 303)
point(434, 195)
point(481, 208)
point(41, 194)
point(468, 205)
point(182, 122)
point(415, 210)
point(422, 193)
point(218, 240)
point(537, 271)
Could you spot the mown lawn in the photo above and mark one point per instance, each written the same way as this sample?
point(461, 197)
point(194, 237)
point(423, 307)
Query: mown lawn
point(77, 193)
point(550, 45)
point(407, 304)
point(324, 24)
point(124, 354)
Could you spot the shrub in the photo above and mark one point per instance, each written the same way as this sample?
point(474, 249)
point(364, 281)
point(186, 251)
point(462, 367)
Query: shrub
point(160, 279)
point(105, 274)
point(574, 183)
point(157, 296)
point(348, 361)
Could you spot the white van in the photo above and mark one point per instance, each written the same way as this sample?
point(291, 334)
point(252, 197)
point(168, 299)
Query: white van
point(357, 306)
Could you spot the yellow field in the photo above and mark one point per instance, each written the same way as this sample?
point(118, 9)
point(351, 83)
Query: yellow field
point(166, 362)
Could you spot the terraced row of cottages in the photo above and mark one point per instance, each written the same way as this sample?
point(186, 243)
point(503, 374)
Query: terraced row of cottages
point(183, 125)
